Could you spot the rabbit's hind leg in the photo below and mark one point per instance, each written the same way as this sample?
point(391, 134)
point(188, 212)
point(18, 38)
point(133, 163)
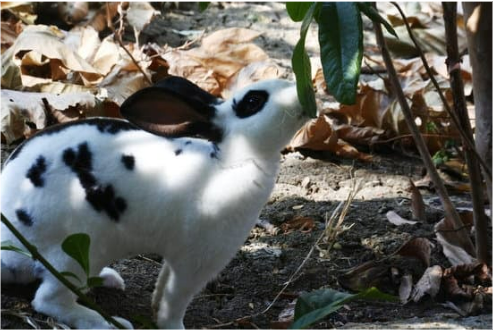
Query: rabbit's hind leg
point(17, 268)
point(53, 299)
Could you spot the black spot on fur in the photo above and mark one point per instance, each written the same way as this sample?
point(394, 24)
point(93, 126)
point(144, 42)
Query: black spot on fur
point(215, 151)
point(178, 151)
point(101, 197)
point(104, 125)
point(128, 161)
point(11, 100)
point(35, 172)
point(24, 217)
point(188, 143)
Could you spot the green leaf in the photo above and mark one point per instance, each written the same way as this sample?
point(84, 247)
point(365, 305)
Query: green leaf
point(302, 67)
point(77, 247)
point(9, 246)
point(203, 6)
point(341, 48)
point(313, 306)
point(95, 281)
point(373, 14)
point(70, 274)
point(297, 10)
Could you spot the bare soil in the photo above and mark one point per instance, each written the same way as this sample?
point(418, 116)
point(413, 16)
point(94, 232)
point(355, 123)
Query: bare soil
point(307, 187)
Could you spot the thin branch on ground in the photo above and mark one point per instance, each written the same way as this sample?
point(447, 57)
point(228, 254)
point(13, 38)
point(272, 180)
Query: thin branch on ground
point(465, 136)
point(448, 207)
point(37, 256)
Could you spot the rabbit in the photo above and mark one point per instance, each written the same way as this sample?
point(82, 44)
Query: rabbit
point(184, 175)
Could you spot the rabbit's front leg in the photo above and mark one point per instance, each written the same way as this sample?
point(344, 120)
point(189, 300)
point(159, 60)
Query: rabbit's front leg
point(54, 299)
point(183, 280)
point(157, 295)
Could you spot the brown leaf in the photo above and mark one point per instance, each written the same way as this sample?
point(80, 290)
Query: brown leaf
point(366, 275)
point(73, 12)
point(419, 248)
point(104, 15)
point(303, 224)
point(429, 283)
point(417, 203)
point(285, 317)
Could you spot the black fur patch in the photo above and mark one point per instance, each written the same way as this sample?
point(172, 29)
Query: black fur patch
point(24, 217)
point(178, 151)
point(101, 197)
point(104, 125)
point(188, 143)
point(35, 172)
point(215, 151)
point(128, 161)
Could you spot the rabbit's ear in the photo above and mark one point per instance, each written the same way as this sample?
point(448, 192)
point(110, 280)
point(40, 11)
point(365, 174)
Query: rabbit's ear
point(174, 107)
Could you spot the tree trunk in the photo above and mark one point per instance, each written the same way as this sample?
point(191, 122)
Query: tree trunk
point(477, 16)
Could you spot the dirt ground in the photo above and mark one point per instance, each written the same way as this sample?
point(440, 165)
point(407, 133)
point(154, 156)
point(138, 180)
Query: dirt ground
point(307, 187)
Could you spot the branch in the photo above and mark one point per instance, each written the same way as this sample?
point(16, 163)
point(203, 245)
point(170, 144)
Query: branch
point(37, 256)
point(475, 180)
point(465, 137)
point(448, 207)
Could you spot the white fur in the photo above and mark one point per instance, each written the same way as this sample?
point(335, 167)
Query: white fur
point(192, 209)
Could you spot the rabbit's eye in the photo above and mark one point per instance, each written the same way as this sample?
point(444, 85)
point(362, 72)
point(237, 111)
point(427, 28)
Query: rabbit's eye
point(251, 103)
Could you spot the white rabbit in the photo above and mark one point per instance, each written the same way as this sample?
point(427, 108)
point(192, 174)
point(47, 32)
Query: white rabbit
point(186, 178)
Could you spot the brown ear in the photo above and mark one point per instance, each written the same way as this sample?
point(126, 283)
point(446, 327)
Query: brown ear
point(165, 109)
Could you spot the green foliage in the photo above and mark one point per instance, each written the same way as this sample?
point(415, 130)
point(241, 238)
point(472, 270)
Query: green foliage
point(367, 9)
point(203, 6)
point(341, 48)
point(9, 246)
point(440, 157)
point(316, 305)
point(297, 10)
point(77, 247)
point(302, 67)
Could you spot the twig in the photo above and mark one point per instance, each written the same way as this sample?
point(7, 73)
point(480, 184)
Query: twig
point(465, 136)
point(37, 256)
point(449, 208)
point(475, 180)
point(118, 38)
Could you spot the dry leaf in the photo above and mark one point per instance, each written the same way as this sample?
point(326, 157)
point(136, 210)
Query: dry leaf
point(104, 15)
point(429, 283)
point(303, 224)
point(285, 317)
point(371, 273)
point(73, 12)
point(418, 248)
point(405, 288)
point(397, 220)
point(39, 56)
point(140, 14)
point(19, 107)
point(451, 241)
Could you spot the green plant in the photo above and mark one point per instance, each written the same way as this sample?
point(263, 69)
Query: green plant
point(340, 38)
point(315, 305)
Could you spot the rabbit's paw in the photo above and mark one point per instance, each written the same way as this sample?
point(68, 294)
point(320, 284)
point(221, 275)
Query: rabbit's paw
point(126, 324)
point(111, 279)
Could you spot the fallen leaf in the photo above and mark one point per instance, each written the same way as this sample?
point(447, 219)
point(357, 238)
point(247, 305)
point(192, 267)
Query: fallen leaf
point(451, 241)
point(73, 12)
point(285, 317)
point(374, 273)
point(428, 284)
point(303, 224)
point(21, 107)
point(397, 220)
point(418, 248)
point(405, 288)
point(140, 14)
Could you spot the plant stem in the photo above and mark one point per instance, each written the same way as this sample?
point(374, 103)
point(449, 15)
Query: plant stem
point(448, 207)
point(453, 64)
point(37, 256)
point(467, 140)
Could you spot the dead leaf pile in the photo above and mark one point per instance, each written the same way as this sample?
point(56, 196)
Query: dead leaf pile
point(74, 74)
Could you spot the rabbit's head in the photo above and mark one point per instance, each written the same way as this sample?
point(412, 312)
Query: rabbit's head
point(262, 117)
